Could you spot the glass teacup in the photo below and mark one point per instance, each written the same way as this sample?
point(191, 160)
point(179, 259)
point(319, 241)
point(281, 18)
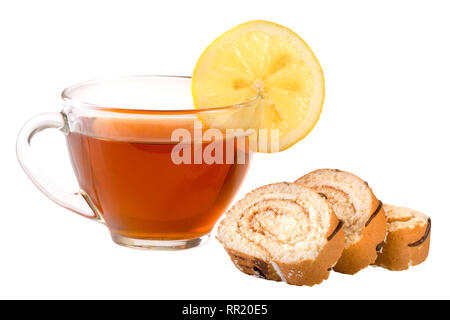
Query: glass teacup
point(155, 171)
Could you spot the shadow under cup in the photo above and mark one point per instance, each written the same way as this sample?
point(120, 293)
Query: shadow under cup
point(158, 173)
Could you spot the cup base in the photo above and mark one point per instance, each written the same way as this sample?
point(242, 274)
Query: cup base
point(146, 244)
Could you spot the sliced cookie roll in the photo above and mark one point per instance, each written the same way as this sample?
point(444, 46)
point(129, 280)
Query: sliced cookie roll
point(283, 232)
point(361, 212)
point(408, 240)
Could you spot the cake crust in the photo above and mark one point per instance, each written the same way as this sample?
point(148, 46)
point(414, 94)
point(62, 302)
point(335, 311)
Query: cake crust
point(308, 272)
point(407, 245)
point(263, 263)
point(364, 252)
point(358, 254)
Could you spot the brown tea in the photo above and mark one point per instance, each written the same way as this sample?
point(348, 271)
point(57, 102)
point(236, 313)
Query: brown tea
point(140, 192)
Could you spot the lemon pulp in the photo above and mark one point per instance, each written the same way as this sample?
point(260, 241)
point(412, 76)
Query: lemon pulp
point(265, 60)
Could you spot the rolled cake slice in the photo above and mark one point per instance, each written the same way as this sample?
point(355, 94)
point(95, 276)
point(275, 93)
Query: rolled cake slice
point(283, 232)
point(408, 240)
point(361, 212)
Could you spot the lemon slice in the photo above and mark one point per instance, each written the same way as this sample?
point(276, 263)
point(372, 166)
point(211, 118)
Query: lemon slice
point(266, 62)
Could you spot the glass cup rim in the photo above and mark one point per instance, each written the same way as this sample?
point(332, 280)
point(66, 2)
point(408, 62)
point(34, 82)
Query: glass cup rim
point(184, 110)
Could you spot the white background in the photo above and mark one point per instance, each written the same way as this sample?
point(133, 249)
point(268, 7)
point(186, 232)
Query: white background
point(385, 118)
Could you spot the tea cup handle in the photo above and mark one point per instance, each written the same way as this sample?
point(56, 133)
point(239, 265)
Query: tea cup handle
point(72, 201)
